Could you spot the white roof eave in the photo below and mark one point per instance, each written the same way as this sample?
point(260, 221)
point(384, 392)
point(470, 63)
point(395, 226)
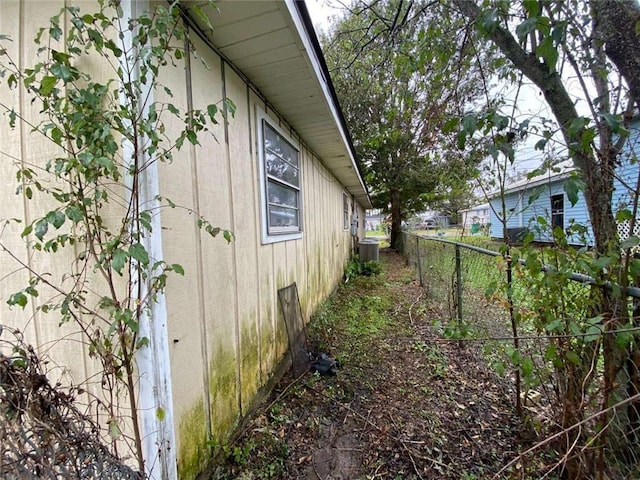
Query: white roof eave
point(313, 111)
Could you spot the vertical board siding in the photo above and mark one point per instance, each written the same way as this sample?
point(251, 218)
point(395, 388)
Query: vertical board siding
point(179, 244)
point(178, 183)
point(244, 323)
point(263, 315)
point(63, 346)
point(243, 171)
point(13, 142)
point(22, 148)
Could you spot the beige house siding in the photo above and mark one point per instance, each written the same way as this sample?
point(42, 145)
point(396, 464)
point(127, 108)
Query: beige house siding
point(245, 335)
point(225, 330)
point(21, 149)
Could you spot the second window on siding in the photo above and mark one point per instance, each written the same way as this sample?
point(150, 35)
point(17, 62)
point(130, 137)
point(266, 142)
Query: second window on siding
point(345, 211)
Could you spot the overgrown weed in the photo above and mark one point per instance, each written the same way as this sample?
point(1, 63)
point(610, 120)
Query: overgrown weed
point(346, 326)
point(357, 314)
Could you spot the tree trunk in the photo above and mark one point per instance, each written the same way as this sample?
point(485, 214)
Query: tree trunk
point(617, 27)
point(396, 219)
point(596, 169)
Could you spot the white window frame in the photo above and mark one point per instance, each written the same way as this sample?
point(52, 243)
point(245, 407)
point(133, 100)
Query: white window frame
point(346, 210)
point(273, 235)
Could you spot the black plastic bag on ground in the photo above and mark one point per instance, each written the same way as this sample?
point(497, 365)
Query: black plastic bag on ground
point(324, 364)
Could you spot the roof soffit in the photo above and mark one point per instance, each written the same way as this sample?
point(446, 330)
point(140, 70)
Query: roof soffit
point(267, 42)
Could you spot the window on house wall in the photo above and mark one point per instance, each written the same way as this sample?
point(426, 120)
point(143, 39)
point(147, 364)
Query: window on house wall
point(280, 183)
point(345, 211)
point(557, 211)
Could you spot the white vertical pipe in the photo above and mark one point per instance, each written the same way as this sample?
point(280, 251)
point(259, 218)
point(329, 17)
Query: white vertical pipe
point(155, 405)
point(520, 212)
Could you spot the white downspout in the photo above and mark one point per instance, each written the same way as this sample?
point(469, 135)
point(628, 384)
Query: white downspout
point(155, 404)
point(520, 212)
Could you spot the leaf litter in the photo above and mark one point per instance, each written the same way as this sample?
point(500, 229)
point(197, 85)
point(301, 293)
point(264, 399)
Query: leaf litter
point(405, 405)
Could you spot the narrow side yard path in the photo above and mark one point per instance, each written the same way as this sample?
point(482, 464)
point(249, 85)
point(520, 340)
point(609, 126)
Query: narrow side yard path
point(405, 404)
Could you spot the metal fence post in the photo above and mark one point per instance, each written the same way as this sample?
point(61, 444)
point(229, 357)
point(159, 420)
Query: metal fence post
point(514, 330)
point(459, 282)
point(419, 263)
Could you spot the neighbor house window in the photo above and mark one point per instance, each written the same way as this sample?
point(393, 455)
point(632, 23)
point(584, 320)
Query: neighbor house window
point(345, 211)
point(557, 211)
point(280, 184)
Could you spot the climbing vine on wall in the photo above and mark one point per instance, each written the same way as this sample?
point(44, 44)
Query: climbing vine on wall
point(107, 133)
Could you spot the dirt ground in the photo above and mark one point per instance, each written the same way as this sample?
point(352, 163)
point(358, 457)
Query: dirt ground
point(406, 403)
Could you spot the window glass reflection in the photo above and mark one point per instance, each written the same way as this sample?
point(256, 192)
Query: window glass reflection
point(281, 195)
point(282, 170)
point(282, 217)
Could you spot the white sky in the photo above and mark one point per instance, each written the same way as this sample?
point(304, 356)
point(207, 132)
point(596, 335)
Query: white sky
point(320, 11)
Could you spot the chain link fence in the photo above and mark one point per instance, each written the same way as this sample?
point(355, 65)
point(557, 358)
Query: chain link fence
point(539, 323)
point(456, 276)
point(43, 433)
point(464, 276)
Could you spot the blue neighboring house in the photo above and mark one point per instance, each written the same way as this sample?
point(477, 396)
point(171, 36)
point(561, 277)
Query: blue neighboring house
point(545, 195)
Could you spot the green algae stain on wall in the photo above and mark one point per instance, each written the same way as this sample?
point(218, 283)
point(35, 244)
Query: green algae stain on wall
point(324, 273)
point(280, 280)
point(223, 391)
point(304, 305)
point(267, 344)
point(293, 277)
point(261, 350)
point(194, 450)
point(281, 343)
point(318, 257)
point(267, 333)
point(249, 360)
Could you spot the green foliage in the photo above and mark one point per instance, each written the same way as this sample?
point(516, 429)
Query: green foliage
point(567, 362)
point(358, 315)
point(264, 452)
point(356, 268)
point(366, 316)
point(93, 81)
point(580, 358)
point(557, 356)
point(456, 330)
point(238, 454)
point(399, 86)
